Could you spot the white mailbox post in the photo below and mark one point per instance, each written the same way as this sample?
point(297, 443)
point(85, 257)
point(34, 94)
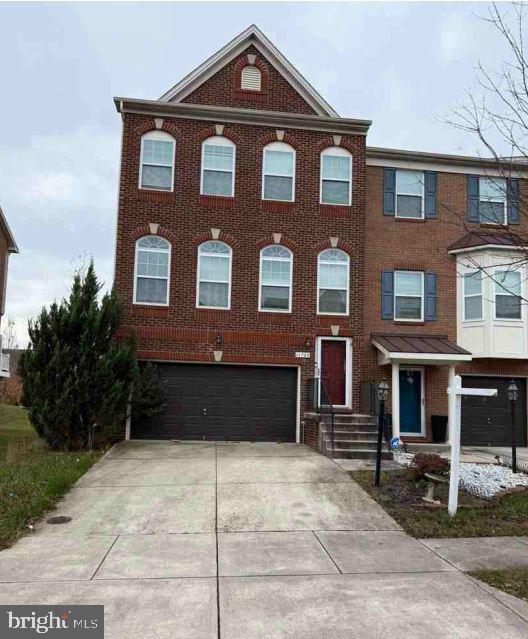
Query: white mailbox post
point(455, 392)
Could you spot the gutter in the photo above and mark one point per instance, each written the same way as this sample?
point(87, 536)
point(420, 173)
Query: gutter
point(243, 116)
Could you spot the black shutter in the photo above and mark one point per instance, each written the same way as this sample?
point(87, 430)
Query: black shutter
point(387, 295)
point(389, 192)
point(430, 297)
point(430, 194)
point(473, 198)
point(513, 201)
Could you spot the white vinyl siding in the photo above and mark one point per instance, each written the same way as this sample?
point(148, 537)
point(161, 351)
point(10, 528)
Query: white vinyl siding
point(151, 271)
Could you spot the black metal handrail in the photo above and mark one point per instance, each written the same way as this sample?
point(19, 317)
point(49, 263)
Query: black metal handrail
point(330, 408)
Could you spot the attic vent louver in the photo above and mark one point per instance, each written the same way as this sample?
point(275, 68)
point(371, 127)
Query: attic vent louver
point(251, 78)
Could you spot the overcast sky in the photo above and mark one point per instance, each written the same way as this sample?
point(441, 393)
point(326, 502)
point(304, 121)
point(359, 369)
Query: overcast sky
point(399, 64)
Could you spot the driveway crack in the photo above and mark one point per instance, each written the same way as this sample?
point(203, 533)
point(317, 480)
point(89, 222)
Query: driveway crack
point(216, 539)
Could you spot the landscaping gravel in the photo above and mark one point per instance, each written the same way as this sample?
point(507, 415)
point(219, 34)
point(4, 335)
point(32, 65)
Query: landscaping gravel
point(481, 480)
point(487, 480)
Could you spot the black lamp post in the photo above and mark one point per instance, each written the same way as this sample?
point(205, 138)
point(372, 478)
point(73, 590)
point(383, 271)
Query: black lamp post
point(513, 392)
point(383, 393)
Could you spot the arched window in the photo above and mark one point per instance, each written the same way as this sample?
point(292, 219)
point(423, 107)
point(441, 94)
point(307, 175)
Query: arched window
point(336, 176)
point(152, 268)
point(275, 279)
point(214, 275)
point(278, 175)
point(332, 282)
point(156, 169)
point(218, 167)
point(251, 78)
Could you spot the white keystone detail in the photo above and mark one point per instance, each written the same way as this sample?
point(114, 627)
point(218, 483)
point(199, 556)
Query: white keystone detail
point(215, 233)
point(335, 330)
point(219, 128)
point(217, 356)
point(279, 134)
point(337, 140)
point(154, 228)
point(334, 241)
point(158, 122)
point(277, 237)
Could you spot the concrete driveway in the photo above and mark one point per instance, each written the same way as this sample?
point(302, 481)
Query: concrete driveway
point(244, 541)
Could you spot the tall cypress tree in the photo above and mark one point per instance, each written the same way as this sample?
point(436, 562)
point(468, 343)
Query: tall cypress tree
point(77, 377)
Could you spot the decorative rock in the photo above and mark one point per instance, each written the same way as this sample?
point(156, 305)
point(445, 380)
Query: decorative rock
point(487, 480)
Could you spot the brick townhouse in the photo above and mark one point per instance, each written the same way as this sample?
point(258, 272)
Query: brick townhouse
point(7, 246)
point(270, 262)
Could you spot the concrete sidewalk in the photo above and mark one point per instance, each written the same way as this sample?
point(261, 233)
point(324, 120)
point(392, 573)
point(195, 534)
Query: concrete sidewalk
point(244, 541)
point(482, 553)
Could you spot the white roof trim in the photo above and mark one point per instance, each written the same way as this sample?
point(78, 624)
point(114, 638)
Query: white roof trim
point(252, 35)
point(485, 247)
point(419, 164)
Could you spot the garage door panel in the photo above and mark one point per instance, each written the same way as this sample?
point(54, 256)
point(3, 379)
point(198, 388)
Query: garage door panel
point(222, 402)
point(486, 420)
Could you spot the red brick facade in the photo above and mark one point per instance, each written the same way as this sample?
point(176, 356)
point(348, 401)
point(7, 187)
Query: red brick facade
point(421, 245)
point(223, 89)
point(180, 332)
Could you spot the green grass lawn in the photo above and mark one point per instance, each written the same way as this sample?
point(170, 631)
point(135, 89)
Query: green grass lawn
point(402, 499)
point(514, 582)
point(32, 478)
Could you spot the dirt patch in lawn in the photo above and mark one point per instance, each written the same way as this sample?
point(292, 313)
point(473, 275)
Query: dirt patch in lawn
point(402, 499)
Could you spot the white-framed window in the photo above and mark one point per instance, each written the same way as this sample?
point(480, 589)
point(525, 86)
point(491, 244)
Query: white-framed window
point(214, 275)
point(332, 282)
point(276, 270)
point(218, 167)
point(156, 165)
point(278, 174)
point(508, 295)
point(410, 194)
point(409, 296)
point(492, 200)
point(251, 78)
point(473, 296)
point(152, 271)
point(336, 176)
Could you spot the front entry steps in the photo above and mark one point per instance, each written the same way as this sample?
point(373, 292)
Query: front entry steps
point(354, 437)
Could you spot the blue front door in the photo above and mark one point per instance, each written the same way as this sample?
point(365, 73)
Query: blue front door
point(411, 401)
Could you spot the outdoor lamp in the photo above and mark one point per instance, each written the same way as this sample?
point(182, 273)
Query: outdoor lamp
point(383, 393)
point(513, 391)
point(383, 390)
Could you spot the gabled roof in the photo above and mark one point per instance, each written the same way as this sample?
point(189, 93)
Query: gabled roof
point(4, 227)
point(478, 240)
point(251, 36)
